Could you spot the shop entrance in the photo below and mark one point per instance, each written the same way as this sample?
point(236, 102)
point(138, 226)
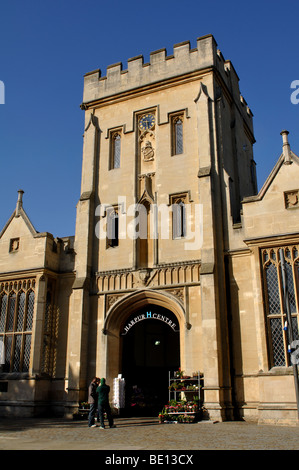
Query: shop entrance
point(150, 349)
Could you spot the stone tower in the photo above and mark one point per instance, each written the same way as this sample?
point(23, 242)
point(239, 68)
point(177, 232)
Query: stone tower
point(167, 160)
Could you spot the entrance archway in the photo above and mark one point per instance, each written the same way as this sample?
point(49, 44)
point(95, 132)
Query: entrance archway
point(127, 342)
point(150, 349)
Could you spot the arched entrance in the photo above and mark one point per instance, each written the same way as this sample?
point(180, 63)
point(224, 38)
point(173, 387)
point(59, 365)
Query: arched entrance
point(144, 348)
point(150, 349)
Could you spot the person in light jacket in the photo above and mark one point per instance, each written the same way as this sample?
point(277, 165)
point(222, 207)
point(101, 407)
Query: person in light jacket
point(103, 404)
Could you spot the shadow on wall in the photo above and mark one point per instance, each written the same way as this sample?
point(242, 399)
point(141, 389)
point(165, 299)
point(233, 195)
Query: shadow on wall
point(235, 350)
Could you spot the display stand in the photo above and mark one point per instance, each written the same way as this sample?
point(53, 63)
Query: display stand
point(185, 404)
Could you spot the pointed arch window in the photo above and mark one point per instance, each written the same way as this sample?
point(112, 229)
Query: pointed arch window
point(179, 216)
point(177, 135)
point(115, 150)
point(112, 227)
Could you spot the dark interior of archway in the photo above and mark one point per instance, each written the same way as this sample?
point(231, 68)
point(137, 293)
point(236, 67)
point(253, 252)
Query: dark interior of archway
point(151, 348)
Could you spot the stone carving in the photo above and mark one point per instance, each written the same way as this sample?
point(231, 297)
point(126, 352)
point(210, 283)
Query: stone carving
point(142, 277)
point(291, 199)
point(148, 151)
point(111, 299)
point(14, 244)
point(178, 293)
point(169, 275)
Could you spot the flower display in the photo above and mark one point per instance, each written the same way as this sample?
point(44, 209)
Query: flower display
point(84, 405)
point(180, 411)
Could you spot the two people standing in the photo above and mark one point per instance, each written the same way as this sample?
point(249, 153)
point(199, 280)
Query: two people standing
point(98, 398)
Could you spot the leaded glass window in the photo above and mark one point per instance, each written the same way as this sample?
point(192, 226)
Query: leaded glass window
point(21, 311)
point(48, 326)
point(3, 307)
point(11, 312)
point(16, 319)
point(274, 303)
point(50, 332)
point(30, 310)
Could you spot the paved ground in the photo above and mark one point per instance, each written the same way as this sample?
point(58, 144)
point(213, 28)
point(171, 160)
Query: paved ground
point(138, 434)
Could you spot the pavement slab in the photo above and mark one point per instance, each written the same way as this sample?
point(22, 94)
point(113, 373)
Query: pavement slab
point(144, 434)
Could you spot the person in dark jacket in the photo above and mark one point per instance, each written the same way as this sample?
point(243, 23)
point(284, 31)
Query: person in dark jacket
point(93, 401)
point(103, 404)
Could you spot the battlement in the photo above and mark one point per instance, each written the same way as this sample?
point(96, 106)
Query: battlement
point(161, 67)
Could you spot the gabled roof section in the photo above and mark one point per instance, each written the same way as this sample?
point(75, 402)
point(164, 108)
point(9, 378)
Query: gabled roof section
point(20, 212)
point(286, 158)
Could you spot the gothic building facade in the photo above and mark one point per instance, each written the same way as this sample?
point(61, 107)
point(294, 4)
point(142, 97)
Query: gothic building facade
point(175, 261)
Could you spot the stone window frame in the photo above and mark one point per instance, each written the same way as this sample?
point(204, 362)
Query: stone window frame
point(16, 324)
point(113, 136)
point(275, 316)
point(179, 223)
point(174, 118)
point(112, 213)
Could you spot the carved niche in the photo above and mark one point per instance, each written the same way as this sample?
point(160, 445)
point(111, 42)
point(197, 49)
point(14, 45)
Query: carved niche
point(291, 199)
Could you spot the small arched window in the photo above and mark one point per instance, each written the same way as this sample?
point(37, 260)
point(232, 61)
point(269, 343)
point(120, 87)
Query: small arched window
point(112, 228)
point(179, 218)
point(177, 135)
point(115, 151)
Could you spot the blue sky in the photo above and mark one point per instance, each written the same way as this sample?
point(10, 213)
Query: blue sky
point(47, 47)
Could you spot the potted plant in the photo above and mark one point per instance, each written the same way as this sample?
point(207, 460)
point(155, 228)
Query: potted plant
point(179, 373)
point(84, 405)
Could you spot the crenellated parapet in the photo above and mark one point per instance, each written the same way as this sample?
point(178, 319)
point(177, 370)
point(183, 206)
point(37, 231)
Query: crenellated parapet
point(161, 67)
point(184, 62)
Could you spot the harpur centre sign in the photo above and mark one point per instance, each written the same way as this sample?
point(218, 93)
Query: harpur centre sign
point(149, 316)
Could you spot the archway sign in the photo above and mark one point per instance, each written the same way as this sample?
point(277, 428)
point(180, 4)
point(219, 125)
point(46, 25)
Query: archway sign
point(149, 316)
